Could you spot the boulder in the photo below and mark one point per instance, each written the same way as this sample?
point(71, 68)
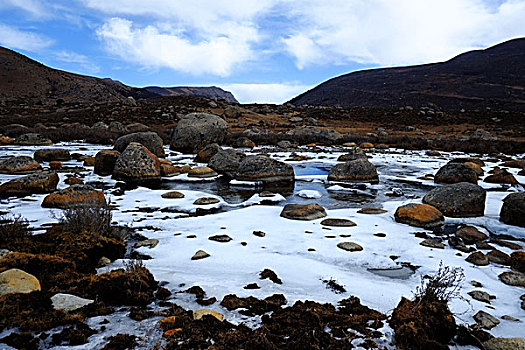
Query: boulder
point(19, 165)
point(515, 163)
point(69, 302)
point(505, 344)
point(265, 169)
point(419, 215)
point(33, 139)
point(50, 154)
point(310, 134)
point(74, 196)
point(478, 258)
point(136, 127)
point(498, 257)
point(486, 320)
point(349, 246)
point(205, 154)
point(137, 165)
point(37, 183)
point(105, 162)
point(196, 130)
point(455, 172)
point(513, 209)
point(226, 161)
point(358, 154)
point(310, 211)
point(465, 160)
point(18, 281)
point(513, 278)
point(243, 142)
point(501, 177)
point(202, 172)
point(517, 261)
point(458, 200)
point(150, 140)
point(359, 170)
point(471, 235)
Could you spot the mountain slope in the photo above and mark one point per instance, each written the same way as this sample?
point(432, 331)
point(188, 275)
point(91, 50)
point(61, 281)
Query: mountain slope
point(212, 92)
point(25, 81)
point(494, 77)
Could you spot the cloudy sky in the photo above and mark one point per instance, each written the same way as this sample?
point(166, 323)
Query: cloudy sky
point(261, 50)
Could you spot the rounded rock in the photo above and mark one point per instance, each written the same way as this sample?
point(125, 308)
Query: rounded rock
point(458, 200)
point(310, 211)
point(513, 209)
point(455, 172)
point(419, 215)
point(359, 170)
point(150, 140)
point(196, 130)
point(137, 165)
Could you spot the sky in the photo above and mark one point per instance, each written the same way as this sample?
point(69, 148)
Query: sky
point(261, 50)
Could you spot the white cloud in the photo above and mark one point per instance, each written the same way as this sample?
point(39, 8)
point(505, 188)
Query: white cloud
point(34, 7)
point(386, 32)
point(83, 63)
point(22, 40)
point(150, 46)
point(265, 93)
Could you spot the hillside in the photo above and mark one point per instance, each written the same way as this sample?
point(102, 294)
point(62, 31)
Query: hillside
point(494, 78)
point(25, 81)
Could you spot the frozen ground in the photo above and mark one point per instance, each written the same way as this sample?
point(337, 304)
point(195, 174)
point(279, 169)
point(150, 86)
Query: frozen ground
point(287, 246)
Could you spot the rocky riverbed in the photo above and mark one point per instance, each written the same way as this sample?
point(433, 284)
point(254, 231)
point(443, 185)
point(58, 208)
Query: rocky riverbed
point(251, 234)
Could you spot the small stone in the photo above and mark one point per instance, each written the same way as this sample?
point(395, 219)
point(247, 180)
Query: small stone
point(478, 258)
point(372, 211)
point(486, 320)
point(510, 318)
point(471, 235)
point(252, 286)
point(338, 222)
point(380, 234)
point(200, 254)
point(198, 314)
point(202, 172)
point(310, 211)
point(481, 296)
point(432, 243)
point(151, 243)
point(259, 233)
point(220, 238)
point(103, 261)
point(349, 246)
point(69, 302)
point(206, 201)
point(476, 284)
point(506, 244)
point(272, 276)
point(172, 195)
point(3, 253)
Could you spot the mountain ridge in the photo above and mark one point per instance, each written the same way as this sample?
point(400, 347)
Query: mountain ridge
point(492, 77)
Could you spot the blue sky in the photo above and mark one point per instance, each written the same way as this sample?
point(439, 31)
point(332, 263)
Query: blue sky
point(261, 50)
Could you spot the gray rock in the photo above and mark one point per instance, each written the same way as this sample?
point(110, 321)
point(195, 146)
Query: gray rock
point(481, 296)
point(310, 211)
point(33, 139)
point(310, 134)
point(226, 161)
point(338, 222)
point(372, 211)
point(505, 344)
point(486, 320)
point(455, 172)
point(432, 243)
point(69, 302)
point(359, 170)
point(3, 253)
point(172, 195)
point(513, 209)
point(196, 130)
point(458, 200)
point(150, 140)
point(151, 243)
point(49, 154)
point(513, 278)
point(206, 201)
point(220, 238)
point(350, 246)
point(200, 254)
point(205, 154)
point(285, 144)
point(137, 165)
point(478, 258)
point(19, 165)
point(37, 183)
point(265, 169)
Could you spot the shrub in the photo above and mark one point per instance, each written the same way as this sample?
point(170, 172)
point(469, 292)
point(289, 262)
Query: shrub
point(92, 216)
point(444, 285)
point(13, 228)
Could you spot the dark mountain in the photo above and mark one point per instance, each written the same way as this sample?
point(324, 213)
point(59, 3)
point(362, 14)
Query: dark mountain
point(25, 81)
point(212, 92)
point(494, 77)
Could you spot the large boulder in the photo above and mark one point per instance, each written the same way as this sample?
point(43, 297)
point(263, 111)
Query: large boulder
point(74, 196)
point(196, 130)
point(137, 164)
point(33, 139)
point(310, 211)
point(455, 172)
point(39, 182)
point(419, 215)
point(19, 165)
point(513, 209)
point(359, 170)
point(458, 200)
point(265, 169)
point(501, 177)
point(205, 154)
point(226, 161)
point(105, 162)
point(50, 154)
point(18, 281)
point(311, 134)
point(505, 344)
point(151, 140)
